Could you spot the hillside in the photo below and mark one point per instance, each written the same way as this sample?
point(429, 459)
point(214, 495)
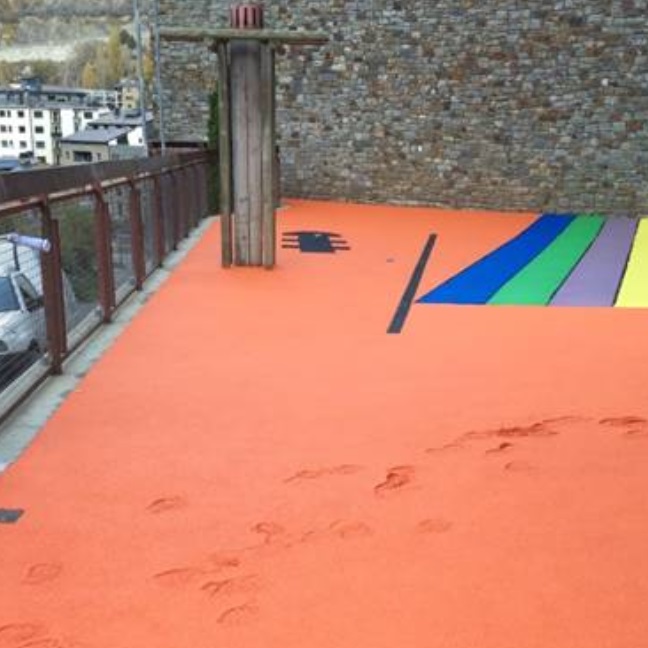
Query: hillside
point(51, 29)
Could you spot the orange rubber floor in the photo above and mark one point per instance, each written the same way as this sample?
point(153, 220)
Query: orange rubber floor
point(257, 464)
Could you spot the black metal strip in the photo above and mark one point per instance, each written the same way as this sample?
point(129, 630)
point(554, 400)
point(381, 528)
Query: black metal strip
point(406, 301)
point(10, 516)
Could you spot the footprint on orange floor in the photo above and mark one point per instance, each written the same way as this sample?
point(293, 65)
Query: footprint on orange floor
point(231, 586)
point(519, 467)
point(42, 573)
point(639, 433)
point(45, 642)
point(239, 615)
point(536, 430)
point(15, 634)
point(397, 478)
point(270, 530)
point(222, 561)
point(447, 448)
point(434, 525)
point(318, 473)
point(347, 530)
point(502, 447)
point(180, 577)
point(166, 504)
point(565, 420)
point(623, 421)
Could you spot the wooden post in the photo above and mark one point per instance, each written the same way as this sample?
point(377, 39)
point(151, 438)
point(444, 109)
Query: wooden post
point(268, 155)
point(249, 166)
point(225, 153)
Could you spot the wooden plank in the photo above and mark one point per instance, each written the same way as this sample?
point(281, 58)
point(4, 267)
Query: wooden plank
point(225, 155)
point(255, 178)
point(241, 201)
point(199, 34)
point(268, 155)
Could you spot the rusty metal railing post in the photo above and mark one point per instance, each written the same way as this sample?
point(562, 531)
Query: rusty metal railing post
point(137, 235)
point(158, 222)
point(51, 272)
point(175, 208)
point(191, 199)
point(103, 244)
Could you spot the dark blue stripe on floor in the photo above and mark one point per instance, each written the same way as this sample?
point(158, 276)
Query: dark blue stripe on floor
point(480, 281)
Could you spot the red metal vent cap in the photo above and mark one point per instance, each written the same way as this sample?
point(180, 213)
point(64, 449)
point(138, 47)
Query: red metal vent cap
point(248, 15)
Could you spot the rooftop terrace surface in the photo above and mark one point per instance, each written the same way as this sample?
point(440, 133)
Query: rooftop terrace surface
point(257, 463)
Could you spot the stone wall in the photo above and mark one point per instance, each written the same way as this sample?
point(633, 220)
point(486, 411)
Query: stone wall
point(485, 103)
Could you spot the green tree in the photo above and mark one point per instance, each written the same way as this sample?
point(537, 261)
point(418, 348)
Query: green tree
point(115, 70)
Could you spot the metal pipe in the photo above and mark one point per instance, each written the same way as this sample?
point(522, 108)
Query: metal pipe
point(158, 73)
point(140, 71)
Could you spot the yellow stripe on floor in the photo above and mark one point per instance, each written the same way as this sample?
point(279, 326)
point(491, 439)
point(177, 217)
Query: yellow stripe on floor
point(634, 287)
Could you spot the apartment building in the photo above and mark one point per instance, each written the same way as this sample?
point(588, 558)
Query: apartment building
point(35, 117)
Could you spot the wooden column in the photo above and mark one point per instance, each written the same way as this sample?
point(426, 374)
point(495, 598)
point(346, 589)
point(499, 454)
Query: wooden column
point(225, 152)
point(268, 169)
point(249, 168)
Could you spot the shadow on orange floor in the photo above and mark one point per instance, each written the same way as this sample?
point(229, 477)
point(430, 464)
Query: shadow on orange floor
point(257, 463)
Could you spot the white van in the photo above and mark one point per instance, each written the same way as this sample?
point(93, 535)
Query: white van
point(23, 334)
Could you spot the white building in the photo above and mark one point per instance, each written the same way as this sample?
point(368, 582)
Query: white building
point(130, 119)
point(34, 117)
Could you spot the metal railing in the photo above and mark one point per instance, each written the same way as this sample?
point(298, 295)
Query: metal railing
point(106, 227)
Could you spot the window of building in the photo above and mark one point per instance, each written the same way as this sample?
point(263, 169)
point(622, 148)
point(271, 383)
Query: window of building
point(3, 129)
point(5, 113)
point(38, 114)
point(82, 156)
point(88, 114)
point(39, 130)
point(21, 129)
point(23, 144)
point(40, 145)
point(21, 113)
point(41, 158)
point(4, 144)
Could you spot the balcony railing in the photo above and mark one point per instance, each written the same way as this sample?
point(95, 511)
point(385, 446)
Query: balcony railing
point(108, 227)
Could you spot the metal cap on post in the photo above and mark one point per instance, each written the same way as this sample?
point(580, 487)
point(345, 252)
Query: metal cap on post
point(247, 16)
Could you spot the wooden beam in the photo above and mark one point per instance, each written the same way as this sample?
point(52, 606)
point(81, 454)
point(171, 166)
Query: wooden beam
point(255, 150)
point(240, 53)
point(200, 34)
point(268, 155)
point(225, 155)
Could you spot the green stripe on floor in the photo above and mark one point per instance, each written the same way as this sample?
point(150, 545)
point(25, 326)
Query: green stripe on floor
point(540, 279)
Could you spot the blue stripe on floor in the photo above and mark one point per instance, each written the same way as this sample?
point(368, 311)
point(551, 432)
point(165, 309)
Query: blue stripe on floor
point(480, 281)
